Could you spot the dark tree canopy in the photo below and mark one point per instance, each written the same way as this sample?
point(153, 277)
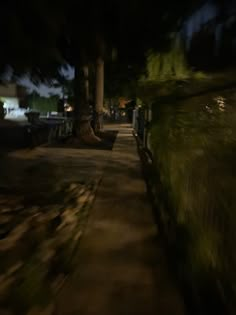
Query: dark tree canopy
point(40, 35)
point(30, 33)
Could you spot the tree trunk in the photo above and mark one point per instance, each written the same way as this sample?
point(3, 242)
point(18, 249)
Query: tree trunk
point(82, 127)
point(99, 94)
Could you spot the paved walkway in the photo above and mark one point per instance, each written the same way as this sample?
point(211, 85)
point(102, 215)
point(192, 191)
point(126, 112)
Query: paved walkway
point(121, 268)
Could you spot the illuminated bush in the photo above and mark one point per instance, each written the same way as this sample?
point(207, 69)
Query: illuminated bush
point(167, 65)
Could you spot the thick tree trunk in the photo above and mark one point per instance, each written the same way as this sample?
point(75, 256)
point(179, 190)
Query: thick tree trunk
point(99, 94)
point(82, 126)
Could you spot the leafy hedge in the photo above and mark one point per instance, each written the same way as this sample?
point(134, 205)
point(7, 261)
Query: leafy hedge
point(194, 145)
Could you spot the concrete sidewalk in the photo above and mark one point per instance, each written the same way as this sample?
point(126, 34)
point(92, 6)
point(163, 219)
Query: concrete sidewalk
point(121, 267)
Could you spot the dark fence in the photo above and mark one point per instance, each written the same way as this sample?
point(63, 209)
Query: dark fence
point(142, 118)
point(47, 130)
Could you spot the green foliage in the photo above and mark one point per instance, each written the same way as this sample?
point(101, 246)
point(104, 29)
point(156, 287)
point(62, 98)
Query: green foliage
point(193, 142)
point(167, 65)
point(43, 104)
point(199, 75)
point(139, 102)
point(198, 83)
point(153, 65)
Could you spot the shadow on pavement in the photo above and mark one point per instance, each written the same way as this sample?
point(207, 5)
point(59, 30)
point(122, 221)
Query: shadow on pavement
point(108, 138)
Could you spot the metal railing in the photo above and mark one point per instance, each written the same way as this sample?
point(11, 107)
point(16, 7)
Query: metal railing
point(142, 118)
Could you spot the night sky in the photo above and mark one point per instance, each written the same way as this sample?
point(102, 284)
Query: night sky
point(43, 89)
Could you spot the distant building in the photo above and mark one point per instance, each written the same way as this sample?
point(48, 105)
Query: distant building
point(13, 96)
